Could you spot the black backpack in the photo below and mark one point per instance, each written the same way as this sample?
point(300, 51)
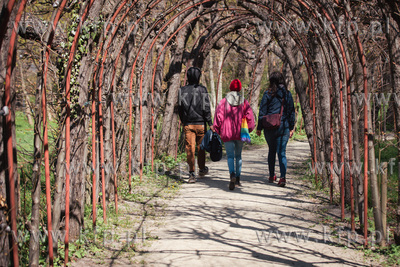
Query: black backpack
point(216, 147)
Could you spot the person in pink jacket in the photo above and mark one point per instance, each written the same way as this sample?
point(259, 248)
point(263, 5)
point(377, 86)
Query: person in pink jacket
point(228, 122)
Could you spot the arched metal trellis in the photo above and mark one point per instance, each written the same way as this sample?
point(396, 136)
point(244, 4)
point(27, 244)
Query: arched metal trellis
point(182, 13)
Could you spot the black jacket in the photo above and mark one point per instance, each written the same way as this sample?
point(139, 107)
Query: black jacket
point(194, 101)
point(272, 105)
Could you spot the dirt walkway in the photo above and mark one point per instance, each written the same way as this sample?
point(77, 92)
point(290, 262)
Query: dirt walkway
point(258, 224)
point(209, 225)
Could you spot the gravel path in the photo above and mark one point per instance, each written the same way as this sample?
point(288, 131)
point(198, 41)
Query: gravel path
point(209, 225)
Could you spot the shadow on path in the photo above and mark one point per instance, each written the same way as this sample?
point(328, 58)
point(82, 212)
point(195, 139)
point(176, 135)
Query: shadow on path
point(257, 224)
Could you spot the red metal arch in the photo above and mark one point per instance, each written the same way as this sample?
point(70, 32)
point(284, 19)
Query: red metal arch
point(154, 73)
point(101, 133)
point(45, 130)
point(153, 96)
point(8, 132)
point(349, 108)
point(363, 62)
point(141, 77)
point(362, 57)
point(68, 122)
point(365, 85)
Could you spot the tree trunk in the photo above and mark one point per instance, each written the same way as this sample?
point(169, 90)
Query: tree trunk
point(384, 203)
point(137, 146)
point(79, 134)
point(27, 105)
point(108, 158)
point(79, 151)
point(58, 186)
point(376, 201)
point(168, 137)
point(336, 125)
point(122, 91)
point(219, 85)
point(145, 124)
point(259, 68)
point(36, 175)
point(288, 48)
point(356, 121)
point(394, 52)
point(357, 177)
point(323, 100)
point(213, 103)
point(159, 96)
point(5, 238)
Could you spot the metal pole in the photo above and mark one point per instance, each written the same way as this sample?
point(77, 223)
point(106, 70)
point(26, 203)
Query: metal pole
point(8, 133)
point(142, 74)
point(101, 119)
point(45, 131)
point(350, 141)
point(131, 91)
point(67, 127)
point(365, 85)
point(153, 80)
point(112, 90)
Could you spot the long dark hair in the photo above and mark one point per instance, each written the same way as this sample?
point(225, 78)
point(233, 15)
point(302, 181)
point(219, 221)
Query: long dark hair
point(275, 80)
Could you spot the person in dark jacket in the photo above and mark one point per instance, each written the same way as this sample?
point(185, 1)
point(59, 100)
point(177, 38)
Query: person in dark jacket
point(277, 139)
point(195, 113)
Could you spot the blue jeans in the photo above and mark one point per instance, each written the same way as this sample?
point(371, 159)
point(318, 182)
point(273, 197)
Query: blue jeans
point(234, 152)
point(277, 141)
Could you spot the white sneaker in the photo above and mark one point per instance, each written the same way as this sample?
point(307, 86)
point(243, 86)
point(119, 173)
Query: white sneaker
point(192, 178)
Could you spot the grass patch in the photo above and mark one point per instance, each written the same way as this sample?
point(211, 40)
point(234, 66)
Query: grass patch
point(300, 135)
point(257, 140)
point(260, 140)
point(24, 133)
point(391, 254)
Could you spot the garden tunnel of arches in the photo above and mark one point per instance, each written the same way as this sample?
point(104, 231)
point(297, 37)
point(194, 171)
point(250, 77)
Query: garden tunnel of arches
point(111, 77)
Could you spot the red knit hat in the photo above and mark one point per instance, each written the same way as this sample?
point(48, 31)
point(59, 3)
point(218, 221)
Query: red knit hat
point(236, 85)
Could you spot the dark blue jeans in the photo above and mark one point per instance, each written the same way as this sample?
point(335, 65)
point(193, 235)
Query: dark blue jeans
point(277, 141)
